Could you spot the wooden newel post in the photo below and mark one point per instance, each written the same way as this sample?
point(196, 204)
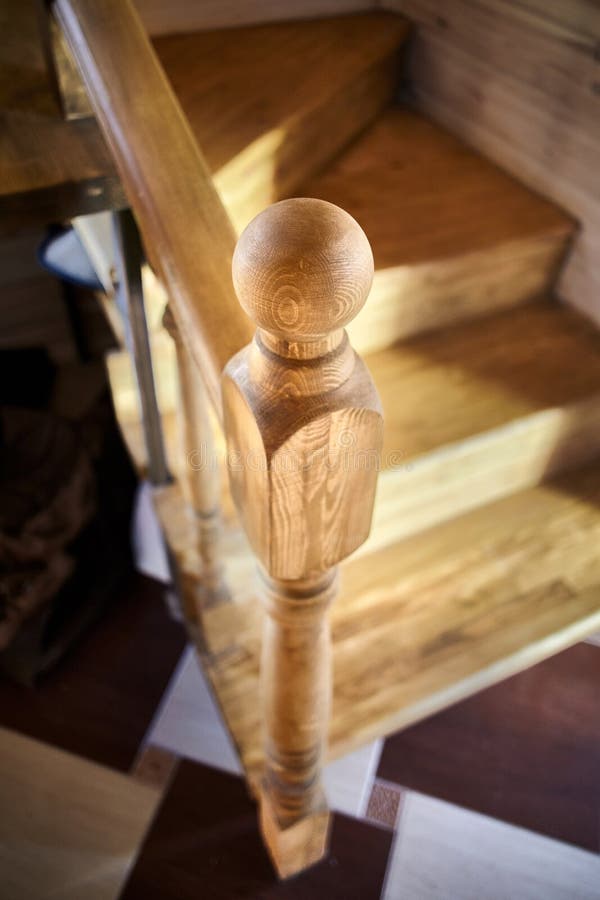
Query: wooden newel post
point(304, 430)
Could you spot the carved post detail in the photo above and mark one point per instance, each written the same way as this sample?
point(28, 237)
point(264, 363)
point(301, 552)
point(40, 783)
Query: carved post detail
point(304, 431)
point(200, 475)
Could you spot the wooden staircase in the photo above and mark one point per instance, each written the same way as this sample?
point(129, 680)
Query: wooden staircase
point(489, 386)
point(477, 565)
point(482, 558)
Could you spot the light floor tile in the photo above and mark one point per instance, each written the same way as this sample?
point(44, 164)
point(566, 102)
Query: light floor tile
point(189, 724)
point(149, 549)
point(348, 780)
point(69, 829)
point(443, 852)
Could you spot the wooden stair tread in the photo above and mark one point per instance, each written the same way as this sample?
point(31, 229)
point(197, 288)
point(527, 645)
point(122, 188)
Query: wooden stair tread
point(428, 621)
point(472, 413)
point(436, 389)
point(453, 236)
point(425, 620)
point(441, 388)
point(260, 99)
point(74, 826)
point(421, 194)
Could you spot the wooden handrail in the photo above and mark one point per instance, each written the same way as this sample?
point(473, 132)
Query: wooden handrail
point(186, 229)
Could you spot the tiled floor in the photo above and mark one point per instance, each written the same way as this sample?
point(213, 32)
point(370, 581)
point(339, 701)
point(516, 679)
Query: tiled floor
point(69, 828)
point(189, 724)
point(443, 852)
point(100, 700)
point(525, 751)
point(530, 745)
point(205, 843)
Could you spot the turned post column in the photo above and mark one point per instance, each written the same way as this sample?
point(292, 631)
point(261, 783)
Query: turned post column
point(304, 430)
point(200, 477)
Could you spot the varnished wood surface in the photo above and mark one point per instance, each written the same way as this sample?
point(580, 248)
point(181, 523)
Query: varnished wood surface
point(300, 407)
point(453, 236)
point(495, 568)
point(49, 168)
point(180, 16)
point(304, 428)
point(424, 623)
point(186, 230)
point(467, 421)
point(261, 134)
point(261, 100)
point(504, 77)
point(69, 828)
point(442, 388)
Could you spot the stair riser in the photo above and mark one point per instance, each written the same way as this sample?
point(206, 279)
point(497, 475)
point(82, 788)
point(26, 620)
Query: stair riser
point(411, 300)
point(276, 165)
point(447, 483)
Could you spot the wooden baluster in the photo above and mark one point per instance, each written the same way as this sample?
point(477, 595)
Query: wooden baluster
point(200, 481)
point(304, 430)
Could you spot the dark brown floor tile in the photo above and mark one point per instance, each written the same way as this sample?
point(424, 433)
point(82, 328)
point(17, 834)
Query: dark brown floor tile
point(384, 804)
point(526, 751)
point(205, 843)
point(99, 701)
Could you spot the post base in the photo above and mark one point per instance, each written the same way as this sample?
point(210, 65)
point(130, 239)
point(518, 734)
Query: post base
point(299, 845)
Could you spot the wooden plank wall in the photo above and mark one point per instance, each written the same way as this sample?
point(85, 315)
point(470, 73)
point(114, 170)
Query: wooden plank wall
point(171, 16)
point(520, 81)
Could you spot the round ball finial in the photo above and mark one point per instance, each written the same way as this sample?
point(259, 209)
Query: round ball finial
point(302, 269)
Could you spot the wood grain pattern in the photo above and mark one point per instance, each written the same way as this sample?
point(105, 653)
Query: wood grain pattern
point(260, 101)
point(181, 16)
point(473, 568)
point(478, 598)
point(476, 377)
point(74, 827)
point(475, 421)
point(472, 424)
point(304, 431)
point(567, 18)
point(61, 67)
point(426, 622)
point(260, 134)
point(298, 397)
point(185, 228)
point(453, 236)
point(504, 84)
